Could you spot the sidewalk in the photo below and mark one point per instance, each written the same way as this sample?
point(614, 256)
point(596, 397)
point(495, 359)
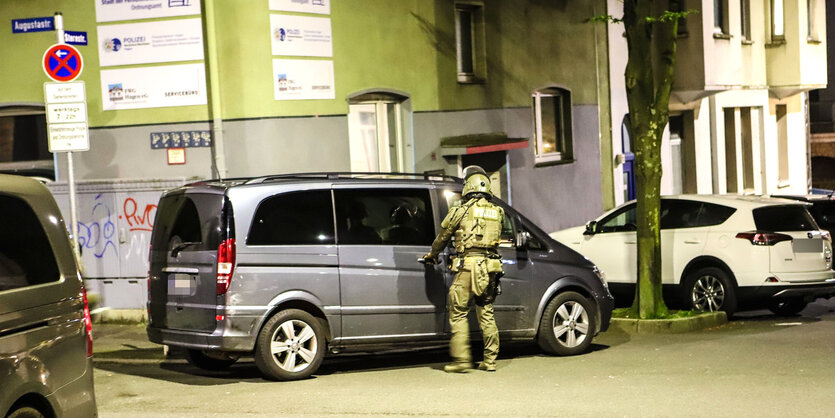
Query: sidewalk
point(126, 343)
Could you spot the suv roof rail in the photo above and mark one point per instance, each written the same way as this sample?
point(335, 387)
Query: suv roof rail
point(355, 175)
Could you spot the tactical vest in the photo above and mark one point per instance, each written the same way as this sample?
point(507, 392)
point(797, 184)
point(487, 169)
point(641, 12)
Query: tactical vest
point(480, 228)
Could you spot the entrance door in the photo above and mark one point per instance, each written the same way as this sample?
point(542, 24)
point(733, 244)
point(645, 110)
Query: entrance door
point(375, 135)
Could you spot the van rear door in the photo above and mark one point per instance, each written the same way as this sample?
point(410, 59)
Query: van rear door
point(189, 227)
point(800, 245)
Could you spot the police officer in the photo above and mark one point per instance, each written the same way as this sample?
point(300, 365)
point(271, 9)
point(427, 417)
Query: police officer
point(476, 225)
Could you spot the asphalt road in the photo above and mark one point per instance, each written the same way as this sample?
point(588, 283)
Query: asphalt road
point(757, 365)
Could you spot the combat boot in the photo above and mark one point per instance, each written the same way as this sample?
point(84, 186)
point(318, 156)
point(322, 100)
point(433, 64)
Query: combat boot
point(458, 367)
point(487, 367)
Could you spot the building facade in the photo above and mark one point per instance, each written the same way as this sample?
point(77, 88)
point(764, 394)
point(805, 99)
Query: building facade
point(180, 90)
point(739, 105)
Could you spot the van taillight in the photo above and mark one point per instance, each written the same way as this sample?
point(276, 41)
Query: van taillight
point(763, 238)
point(88, 323)
point(225, 265)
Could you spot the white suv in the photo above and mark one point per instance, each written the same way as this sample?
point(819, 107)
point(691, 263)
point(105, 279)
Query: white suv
point(724, 253)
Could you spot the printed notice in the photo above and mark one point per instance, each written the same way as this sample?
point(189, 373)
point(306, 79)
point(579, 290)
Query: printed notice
point(304, 6)
point(301, 36)
point(162, 86)
point(68, 137)
point(303, 79)
point(149, 42)
point(115, 10)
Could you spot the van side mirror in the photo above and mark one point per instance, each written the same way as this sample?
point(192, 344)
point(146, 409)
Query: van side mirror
point(522, 239)
point(591, 228)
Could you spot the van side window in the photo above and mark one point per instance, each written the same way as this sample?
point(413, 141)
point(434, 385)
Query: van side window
point(384, 217)
point(296, 218)
point(26, 257)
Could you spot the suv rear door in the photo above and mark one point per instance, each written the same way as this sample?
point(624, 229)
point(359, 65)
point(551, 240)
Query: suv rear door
point(183, 272)
point(805, 251)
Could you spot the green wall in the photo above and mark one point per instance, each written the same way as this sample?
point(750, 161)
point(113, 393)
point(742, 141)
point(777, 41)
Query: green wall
point(403, 45)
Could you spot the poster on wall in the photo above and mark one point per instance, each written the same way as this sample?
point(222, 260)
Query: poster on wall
point(304, 6)
point(162, 86)
point(142, 43)
point(303, 79)
point(115, 10)
point(301, 36)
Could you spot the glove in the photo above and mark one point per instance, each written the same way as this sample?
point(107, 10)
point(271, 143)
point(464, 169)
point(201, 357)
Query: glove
point(430, 259)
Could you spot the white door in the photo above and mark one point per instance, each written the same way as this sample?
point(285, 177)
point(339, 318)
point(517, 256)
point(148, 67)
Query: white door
point(613, 246)
point(376, 143)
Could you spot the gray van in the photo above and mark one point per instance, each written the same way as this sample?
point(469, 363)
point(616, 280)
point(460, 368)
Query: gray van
point(46, 346)
point(289, 267)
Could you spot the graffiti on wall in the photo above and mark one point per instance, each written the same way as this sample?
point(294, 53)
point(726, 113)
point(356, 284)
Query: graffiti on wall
point(99, 231)
point(138, 220)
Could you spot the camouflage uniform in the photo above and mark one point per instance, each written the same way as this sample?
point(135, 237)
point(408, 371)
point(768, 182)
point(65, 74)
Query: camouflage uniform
point(476, 226)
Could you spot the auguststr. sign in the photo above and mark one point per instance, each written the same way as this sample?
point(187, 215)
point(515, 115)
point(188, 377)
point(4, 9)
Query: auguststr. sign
point(33, 24)
point(148, 42)
point(163, 86)
point(114, 10)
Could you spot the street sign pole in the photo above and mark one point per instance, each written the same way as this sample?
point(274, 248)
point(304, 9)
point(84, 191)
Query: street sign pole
point(59, 30)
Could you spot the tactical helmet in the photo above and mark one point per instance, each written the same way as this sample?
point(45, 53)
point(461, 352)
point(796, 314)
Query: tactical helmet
point(475, 181)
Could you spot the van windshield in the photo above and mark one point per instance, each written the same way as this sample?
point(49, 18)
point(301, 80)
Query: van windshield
point(191, 221)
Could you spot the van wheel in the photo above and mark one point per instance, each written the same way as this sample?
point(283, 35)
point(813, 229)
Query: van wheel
point(290, 346)
point(787, 307)
point(709, 289)
point(210, 360)
point(567, 325)
point(25, 412)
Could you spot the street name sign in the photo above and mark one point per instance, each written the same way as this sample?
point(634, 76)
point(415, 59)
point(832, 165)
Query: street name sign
point(33, 24)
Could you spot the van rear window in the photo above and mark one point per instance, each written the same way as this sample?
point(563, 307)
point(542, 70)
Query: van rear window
point(784, 218)
point(190, 219)
point(26, 256)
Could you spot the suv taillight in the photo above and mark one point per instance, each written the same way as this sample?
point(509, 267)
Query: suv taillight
point(225, 264)
point(88, 323)
point(763, 238)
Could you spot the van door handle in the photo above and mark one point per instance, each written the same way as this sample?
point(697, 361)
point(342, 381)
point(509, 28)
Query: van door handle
point(692, 241)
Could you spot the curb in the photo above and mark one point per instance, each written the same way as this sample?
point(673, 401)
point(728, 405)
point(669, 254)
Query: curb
point(669, 326)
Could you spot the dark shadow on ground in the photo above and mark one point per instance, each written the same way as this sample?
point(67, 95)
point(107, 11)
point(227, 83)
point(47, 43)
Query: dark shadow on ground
point(178, 371)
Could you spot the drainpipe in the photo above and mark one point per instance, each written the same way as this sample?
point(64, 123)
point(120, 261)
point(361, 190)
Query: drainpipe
point(215, 104)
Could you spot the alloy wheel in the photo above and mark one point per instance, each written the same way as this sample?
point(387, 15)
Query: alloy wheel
point(571, 324)
point(294, 345)
point(708, 294)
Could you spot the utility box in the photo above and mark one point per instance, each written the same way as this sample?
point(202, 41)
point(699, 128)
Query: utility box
point(115, 219)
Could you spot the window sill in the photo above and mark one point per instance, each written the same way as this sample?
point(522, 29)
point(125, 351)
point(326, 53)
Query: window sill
point(775, 43)
point(813, 41)
point(722, 35)
point(747, 42)
point(549, 160)
point(468, 78)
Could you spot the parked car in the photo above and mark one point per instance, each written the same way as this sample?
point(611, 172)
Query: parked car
point(290, 267)
point(724, 253)
point(822, 208)
point(46, 346)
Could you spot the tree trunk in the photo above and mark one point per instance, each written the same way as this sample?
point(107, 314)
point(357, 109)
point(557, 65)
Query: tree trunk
point(649, 71)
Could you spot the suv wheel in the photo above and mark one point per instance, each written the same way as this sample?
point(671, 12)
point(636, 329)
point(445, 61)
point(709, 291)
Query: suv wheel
point(567, 325)
point(708, 289)
point(210, 360)
point(787, 307)
point(290, 346)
